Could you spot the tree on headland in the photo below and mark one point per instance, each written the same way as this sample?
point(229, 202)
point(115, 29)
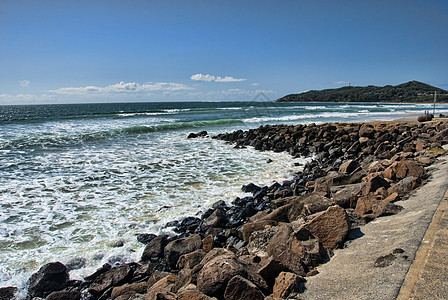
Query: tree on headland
point(412, 91)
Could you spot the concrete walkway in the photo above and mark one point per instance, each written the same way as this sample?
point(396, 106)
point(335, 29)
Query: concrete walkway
point(390, 259)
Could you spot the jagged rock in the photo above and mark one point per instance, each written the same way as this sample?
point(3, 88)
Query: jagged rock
point(155, 248)
point(215, 252)
point(367, 130)
point(307, 204)
point(191, 292)
point(214, 276)
point(279, 214)
point(50, 278)
point(271, 270)
point(386, 209)
point(259, 240)
point(347, 195)
point(375, 183)
point(7, 293)
point(63, 295)
point(324, 184)
point(364, 205)
point(402, 187)
point(162, 286)
point(402, 169)
point(124, 292)
point(208, 243)
point(330, 227)
point(191, 259)
point(114, 277)
point(217, 219)
point(181, 246)
point(348, 166)
point(297, 250)
point(241, 288)
point(251, 227)
point(393, 197)
point(287, 283)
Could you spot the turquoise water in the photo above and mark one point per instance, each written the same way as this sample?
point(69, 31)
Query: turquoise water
point(77, 179)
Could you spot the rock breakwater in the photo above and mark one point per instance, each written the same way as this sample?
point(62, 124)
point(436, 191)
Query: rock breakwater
point(263, 246)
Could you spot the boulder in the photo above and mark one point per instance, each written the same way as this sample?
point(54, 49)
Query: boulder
point(63, 295)
point(154, 248)
point(191, 292)
point(161, 287)
point(259, 240)
point(50, 278)
point(403, 187)
point(330, 227)
point(114, 277)
point(271, 270)
point(124, 292)
point(393, 197)
point(375, 183)
point(191, 259)
point(364, 205)
point(287, 283)
point(213, 278)
point(8, 292)
point(348, 166)
point(208, 243)
point(215, 252)
point(216, 220)
point(386, 209)
point(307, 204)
point(367, 130)
point(402, 169)
point(297, 250)
point(251, 227)
point(279, 214)
point(347, 196)
point(241, 288)
point(181, 246)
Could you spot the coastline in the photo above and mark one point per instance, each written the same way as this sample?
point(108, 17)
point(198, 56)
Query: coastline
point(215, 236)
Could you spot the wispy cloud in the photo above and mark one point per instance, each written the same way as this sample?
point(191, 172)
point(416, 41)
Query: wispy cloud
point(124, 87)
point(341, 82)
point(208, 77)
point(24, 83)
point(255, 84)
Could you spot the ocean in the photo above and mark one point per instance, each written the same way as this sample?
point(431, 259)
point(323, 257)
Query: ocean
point(78, 182)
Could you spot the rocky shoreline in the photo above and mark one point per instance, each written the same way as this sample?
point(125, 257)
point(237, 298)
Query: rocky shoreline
point(265, 245)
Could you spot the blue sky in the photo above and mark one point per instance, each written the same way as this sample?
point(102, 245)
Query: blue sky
point(109, 51)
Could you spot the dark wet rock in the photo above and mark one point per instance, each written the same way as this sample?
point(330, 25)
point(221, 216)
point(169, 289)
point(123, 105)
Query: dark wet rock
point(217, 219)
point(196, 135)
point(64, 295)
point(154, 249)
point(241, 288)
point(50, 278)
point(145, 238)
point(7, 293)
point(104, 268)
point(76, 263)
point(114, 277)
point(250, 188)
point(348, 166)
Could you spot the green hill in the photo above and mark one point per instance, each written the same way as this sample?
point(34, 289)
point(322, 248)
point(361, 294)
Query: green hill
point(412, 91)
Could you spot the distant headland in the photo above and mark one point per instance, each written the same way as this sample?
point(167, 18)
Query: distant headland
point(412, 91)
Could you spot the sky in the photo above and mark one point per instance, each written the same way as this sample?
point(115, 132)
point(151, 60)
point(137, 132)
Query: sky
point(138, 51)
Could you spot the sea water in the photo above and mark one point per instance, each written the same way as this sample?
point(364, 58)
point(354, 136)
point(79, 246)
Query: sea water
point(78, 180)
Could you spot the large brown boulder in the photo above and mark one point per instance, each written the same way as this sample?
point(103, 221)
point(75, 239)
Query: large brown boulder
point(126, 291)
point(330, 227)
point(403, 169)
point(162, 286)
point(190, 260)
point(307, 204)
point(251, 227)
point(364, 205)
point(114, 277)
point(367, 131)
point(241, 288)
point(287, 283)
point(297, 250)
point(374, 184)
point(181, 246)
point(270, 270)
point(347, 196)
point(63, 295)
point(348, 166)
point(50, 278)
point(191, 292)
point(213, 278)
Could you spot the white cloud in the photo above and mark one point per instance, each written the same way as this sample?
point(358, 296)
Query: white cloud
point(341, 82)
point(208, 77)
point(255, 84)
point(24, 83)
point(123, 87)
